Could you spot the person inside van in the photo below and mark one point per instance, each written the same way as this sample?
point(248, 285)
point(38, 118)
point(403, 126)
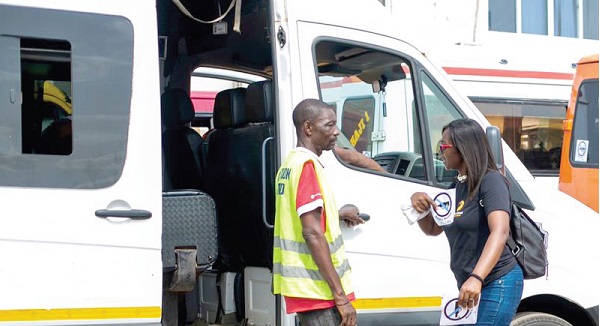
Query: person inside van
point(486, 272)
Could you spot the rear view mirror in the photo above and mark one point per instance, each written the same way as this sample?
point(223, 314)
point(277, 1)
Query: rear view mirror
point(379, 84)
point(376, 86)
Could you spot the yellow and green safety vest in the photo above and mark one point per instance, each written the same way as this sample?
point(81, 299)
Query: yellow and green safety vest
point(295, 273)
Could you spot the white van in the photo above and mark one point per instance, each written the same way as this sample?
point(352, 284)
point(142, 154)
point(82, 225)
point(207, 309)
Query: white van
point(118, 213)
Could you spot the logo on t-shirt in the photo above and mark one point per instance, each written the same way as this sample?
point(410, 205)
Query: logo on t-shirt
point(459, 208)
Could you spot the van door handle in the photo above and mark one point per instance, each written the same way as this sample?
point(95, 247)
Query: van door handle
point(364, 216)
point(134, 214)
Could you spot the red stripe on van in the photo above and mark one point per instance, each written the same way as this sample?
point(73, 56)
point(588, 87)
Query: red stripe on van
point(507, 73)
point(339, 83)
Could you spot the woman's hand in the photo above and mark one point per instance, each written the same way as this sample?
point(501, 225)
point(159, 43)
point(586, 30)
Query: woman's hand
point(469, 293)
point(421, 202)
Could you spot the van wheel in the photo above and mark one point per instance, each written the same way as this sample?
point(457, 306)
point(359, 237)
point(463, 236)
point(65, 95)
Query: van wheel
point(537, 319)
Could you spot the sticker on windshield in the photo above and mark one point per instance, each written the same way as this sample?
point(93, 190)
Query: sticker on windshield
point(581, 150)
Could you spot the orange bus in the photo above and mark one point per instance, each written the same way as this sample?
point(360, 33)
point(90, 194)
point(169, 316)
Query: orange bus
point(579, 158)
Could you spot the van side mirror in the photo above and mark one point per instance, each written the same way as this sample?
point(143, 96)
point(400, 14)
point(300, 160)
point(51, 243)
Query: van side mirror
point(517, 194)
point(495, 142)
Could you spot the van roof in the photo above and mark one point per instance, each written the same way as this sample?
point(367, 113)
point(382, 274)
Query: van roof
point(589, 59)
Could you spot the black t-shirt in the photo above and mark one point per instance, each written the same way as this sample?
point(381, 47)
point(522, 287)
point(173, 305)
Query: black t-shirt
point(469, 232)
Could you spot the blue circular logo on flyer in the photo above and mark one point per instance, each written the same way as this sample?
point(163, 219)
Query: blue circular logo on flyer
point(444, 204)
point(454, 312)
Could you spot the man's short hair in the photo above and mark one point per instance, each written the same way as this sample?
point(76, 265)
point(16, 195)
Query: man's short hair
point(308, 110)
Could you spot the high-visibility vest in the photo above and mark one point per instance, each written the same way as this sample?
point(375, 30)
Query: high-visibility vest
point(295, 273)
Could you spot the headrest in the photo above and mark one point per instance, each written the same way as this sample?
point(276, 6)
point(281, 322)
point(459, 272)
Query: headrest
point(177, 108)
point(229, 108)
point(259, 102)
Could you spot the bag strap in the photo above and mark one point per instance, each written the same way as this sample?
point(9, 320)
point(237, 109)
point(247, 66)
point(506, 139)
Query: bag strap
point(510, 241)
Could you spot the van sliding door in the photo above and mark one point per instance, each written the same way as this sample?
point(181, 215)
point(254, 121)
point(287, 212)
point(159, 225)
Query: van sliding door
point(80, 228)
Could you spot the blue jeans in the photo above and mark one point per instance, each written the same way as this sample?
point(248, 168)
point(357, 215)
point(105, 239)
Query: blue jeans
point(500, 299)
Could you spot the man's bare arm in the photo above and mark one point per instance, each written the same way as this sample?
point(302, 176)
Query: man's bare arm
point(315, 239)
point(355, 158)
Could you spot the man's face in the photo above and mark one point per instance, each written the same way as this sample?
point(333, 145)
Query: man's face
point(324, 131)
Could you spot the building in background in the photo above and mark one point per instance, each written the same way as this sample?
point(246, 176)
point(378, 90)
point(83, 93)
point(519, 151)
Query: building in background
point(514, 59)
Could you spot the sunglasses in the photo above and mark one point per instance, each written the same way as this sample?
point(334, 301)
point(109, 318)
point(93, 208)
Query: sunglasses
point(444, 147)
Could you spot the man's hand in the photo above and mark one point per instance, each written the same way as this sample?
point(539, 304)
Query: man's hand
point(349, 213)
point(348, 314)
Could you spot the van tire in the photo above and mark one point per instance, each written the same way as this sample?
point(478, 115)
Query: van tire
point(537, 319)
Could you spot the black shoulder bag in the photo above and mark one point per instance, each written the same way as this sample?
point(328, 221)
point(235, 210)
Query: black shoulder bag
point(528, 242)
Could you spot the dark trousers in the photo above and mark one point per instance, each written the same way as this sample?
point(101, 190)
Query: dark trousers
point(323, 317)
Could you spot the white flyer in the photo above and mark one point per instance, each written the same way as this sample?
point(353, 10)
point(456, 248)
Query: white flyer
point(443, 214)
point(453, 314)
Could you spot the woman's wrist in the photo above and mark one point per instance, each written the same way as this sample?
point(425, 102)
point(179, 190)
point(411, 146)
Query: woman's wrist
point(477, 277)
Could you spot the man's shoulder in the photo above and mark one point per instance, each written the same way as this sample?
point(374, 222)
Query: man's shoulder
point(299, 156)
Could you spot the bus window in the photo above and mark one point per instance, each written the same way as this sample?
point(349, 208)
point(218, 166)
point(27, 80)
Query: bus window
point(533, 130)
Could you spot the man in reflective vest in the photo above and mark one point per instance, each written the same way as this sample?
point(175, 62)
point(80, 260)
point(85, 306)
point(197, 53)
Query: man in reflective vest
point(310, 268)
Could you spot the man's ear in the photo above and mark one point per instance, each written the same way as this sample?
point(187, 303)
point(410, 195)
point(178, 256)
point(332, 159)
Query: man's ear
point(307, 126)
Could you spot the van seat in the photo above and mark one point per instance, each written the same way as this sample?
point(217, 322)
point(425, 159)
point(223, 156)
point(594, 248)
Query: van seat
point(183, 167)
point(222, 176)
point(249, 142)
point(259, 102)
point(229, 110)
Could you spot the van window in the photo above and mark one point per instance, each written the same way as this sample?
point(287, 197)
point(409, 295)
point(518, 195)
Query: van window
point(65, 114)
point(532, 129)
point(584, 141)
point(46, 110)
point(357, 120)
point(439, 111)
point(205, 83)
point(370, 90)
point(374, 95)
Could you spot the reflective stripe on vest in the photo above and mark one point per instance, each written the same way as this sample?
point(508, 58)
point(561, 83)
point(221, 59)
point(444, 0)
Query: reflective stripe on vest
point(302, 248)
point(300, 272)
